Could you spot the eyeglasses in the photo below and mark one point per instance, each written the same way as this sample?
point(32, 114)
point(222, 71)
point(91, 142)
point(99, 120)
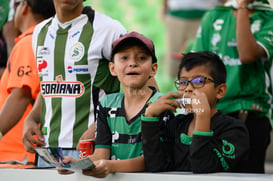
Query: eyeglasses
point(197, 82)
point(18, 1)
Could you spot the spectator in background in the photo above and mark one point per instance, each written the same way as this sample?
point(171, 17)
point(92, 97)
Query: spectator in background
point(4, 11)
point(9, 33)
point(182, 20)
point(241, 33)
point(19, 84)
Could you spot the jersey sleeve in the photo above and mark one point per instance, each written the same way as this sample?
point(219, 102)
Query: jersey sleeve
point(157, 147)
point(22, 67)
point(106, 31)
point(221, 150)
point(103, 132)
point(114, 32)
point(264, 35)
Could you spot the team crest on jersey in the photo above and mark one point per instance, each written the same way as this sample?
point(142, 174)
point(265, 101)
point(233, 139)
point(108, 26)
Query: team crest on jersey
point(60, 88)
point(77, 51)
point(218, 24)
point(112, 112)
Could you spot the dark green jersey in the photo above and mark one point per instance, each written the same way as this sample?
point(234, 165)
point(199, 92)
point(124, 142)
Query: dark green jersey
point(114, 132)
point(4, 12)
point(248, 85)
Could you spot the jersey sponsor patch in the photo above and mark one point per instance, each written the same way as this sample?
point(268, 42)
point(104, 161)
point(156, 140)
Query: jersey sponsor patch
point(43, 51)
point(61, 89)
point(125, 138)
point(78, 69)
point(42, 67)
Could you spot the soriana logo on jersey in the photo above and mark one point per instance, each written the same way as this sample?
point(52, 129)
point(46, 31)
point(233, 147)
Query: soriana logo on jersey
point(60, 88)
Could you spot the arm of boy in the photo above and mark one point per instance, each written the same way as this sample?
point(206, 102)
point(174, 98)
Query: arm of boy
point(222, 149)
point(66, 160)
point(99, 154)
point(104, 167)
point(162, 104)
point(202, 111)
point(158, 153)
point(251, 51)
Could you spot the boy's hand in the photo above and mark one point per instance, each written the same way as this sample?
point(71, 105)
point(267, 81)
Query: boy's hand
point(101, 170)
point(162, 104)
point(201, 108)
point(66, 160)
point(199, 103)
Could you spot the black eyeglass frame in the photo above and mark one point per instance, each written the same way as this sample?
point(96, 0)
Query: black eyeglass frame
point(177, 82)
point(18, 1)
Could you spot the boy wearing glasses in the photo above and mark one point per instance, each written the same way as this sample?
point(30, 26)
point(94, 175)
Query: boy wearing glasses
point(204, 140)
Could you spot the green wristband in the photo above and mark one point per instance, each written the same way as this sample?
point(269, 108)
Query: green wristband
point(149, 119)
point(1, 135)
point(201, 133)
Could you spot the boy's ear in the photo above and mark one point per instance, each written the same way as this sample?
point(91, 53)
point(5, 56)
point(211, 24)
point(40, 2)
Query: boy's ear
point(112, 68)
point(221, 91)
point(25, 8)
point(154, 69)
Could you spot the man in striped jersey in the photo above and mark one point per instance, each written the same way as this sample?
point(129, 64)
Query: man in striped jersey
point(72, 52)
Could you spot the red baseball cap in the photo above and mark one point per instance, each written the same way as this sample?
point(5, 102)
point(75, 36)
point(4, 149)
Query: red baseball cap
point(148, 44)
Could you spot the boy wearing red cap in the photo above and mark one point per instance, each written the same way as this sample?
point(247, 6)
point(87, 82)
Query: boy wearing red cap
point(118, 140)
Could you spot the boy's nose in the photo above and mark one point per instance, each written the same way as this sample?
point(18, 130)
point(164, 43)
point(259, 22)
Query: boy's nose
point(189, 88)
point(187, 93)
point(132, 62)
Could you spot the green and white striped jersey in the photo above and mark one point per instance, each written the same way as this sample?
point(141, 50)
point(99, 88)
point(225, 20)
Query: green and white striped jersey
point(123, 137)
point(72, 60)
point(249, 85)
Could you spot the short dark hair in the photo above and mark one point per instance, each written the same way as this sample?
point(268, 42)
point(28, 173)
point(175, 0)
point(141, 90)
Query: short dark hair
point(43, 8)
point(211, 60)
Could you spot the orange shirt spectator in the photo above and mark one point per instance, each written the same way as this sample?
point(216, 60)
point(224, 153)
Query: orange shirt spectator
point(21, 72)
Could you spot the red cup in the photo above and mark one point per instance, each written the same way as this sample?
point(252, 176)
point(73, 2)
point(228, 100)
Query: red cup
point(86, 148)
